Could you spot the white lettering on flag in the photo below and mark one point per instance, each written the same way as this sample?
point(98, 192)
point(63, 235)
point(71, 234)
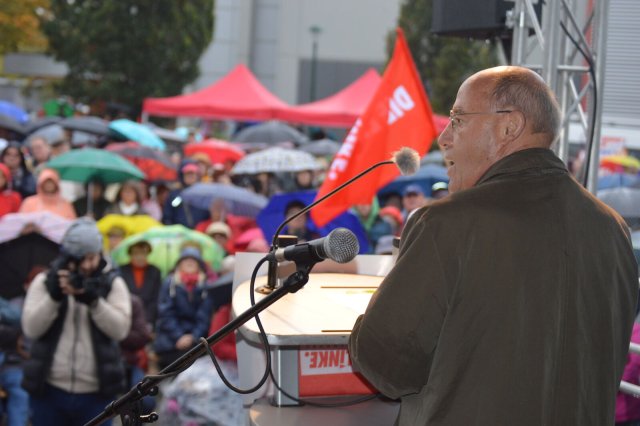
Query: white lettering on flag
point(399, 103)
point(341, 160)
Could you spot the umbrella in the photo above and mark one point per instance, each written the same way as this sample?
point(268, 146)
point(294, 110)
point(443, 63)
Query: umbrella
point(83, 139)
point(131, 130)
point(239, 201)
point(87, 124)
point(17, 258)
point(14, 111)
point(615, 180)
point(166, 242)
point(166, 134)
point(39, 123)
point(250, 147)
point(322, 148)
point(613, 161)
point(218, 151)
point(426, 176)
point(48, 224)
point(270, 132)
point(434, 157)
point(85, 165)
point(275, 160)
point(155, 164)
point(626, 201)
point(131, 225)
point(273, 215)
point(12, 125)
point(51, 133)
point(89, 164)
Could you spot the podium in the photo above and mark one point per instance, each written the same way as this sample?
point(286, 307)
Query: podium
point(308, 332)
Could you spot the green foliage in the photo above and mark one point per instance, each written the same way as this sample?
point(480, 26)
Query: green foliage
point(124, 51)
point(443, 62)
point(19, 26)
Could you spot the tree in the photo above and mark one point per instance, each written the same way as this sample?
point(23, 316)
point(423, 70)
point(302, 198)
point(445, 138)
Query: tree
point(124, 51)
point(20, 27)
point(443, 62)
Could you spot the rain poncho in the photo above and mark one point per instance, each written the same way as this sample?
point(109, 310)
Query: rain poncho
point(50, 202)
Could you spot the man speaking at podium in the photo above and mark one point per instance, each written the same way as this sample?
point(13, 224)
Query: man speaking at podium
point(512, 300)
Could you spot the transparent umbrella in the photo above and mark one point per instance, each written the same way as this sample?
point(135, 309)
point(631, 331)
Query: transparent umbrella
point(166, 242)
point(275, 160)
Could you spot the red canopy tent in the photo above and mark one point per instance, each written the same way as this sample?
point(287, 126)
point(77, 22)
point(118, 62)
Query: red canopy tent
point(343, 108)
point(238, 95)
point(338, 110)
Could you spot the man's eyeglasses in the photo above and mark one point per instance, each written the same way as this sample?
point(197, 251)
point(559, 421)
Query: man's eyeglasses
point(455, 121)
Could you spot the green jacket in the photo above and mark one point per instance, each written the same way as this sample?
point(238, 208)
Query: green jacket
point(511, 303)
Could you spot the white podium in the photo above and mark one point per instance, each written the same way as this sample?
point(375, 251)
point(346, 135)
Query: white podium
point(308, 332)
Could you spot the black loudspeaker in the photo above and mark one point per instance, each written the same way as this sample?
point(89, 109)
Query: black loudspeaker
point(477, 19)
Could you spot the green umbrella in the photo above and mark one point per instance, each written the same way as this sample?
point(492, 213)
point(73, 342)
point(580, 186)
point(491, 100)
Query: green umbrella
point(89, 164)
point(85, 165)
point(166, 242)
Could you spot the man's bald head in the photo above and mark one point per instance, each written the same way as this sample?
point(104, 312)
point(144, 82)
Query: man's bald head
point(522, 89)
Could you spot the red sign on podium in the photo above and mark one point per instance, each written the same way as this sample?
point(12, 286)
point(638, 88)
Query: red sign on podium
point(327, 371)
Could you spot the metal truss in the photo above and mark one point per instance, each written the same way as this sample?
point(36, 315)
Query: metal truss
point(551, 50)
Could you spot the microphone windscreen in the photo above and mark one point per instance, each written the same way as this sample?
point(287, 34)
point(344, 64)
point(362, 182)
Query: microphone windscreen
point(341, 245)
point(407, 160)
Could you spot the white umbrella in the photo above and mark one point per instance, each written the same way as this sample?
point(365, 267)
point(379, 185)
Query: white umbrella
point(47, 223)
point(275, 160)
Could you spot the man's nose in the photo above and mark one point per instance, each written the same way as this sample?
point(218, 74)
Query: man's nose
point(445, 137)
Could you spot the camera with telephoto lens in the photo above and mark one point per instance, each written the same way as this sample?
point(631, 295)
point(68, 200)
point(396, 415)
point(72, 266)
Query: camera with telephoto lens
point(65, 261)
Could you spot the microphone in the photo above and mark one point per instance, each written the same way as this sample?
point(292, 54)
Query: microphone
point(406, 159)
point(408, 162)
point(341, 245)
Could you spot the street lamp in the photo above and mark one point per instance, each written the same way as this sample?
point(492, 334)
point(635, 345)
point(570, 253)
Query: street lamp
point(315, 32)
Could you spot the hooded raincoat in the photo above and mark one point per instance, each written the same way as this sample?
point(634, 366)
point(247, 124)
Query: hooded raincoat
point(50, 202)
point(511, 303)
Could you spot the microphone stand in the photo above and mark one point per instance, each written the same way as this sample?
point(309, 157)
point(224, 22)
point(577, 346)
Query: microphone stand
point(271, 281)
point(129, 407)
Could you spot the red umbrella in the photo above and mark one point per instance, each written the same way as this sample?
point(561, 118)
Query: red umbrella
point(219, 151)
point(154, 164)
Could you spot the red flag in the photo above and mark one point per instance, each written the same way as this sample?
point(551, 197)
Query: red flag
point(398, 115)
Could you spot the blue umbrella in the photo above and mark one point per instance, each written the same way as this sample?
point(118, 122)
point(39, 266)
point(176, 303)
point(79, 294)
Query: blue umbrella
point(426, 176)
point(13, 111)
point(239, 201)
point(273, 215)
point(616, 180)
point(137, 132)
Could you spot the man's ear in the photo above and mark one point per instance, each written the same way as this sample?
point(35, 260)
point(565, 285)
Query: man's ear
point(513, 125)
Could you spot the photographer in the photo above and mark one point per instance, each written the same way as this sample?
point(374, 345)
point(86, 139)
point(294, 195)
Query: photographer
point(75, 313)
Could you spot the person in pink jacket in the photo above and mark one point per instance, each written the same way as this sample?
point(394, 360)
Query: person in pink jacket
point(628, 406)
point(48, 197)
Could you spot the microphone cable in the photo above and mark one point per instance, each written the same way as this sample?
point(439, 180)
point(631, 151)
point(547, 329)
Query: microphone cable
point(268, 369)
point(263, 338)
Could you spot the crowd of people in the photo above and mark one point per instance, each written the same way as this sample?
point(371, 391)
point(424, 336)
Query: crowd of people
point(89, 327)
